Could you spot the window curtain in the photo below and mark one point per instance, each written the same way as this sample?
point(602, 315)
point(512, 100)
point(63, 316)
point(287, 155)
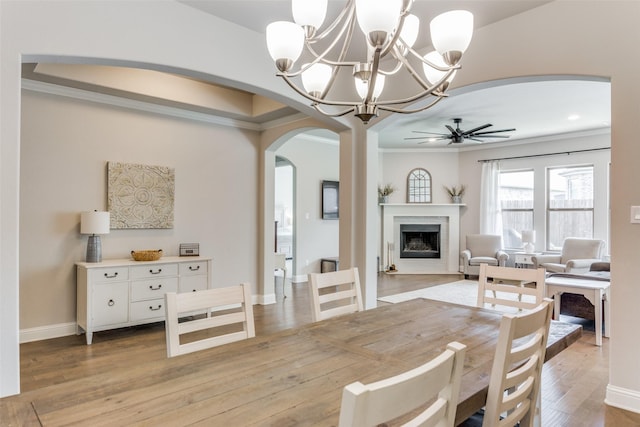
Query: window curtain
point(490, 208)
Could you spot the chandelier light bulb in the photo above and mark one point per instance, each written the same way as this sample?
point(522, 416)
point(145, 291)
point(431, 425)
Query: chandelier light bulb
point(362, 86)
point(410, 29)
point(309, 13)
point(378, 18)
point(315, 78)
point(452, 32)
point(433, 75)
point(284, 42)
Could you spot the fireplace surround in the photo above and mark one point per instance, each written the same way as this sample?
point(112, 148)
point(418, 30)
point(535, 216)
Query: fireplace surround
point(444, 216)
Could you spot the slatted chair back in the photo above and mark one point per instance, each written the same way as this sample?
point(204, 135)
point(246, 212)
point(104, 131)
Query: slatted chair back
point(514, 386)
point(335, 293)
point(437, 381)
point(213, 317)
point(520, 288)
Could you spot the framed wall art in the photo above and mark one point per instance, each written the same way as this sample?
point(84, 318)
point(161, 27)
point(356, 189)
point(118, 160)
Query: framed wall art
point(140, 196)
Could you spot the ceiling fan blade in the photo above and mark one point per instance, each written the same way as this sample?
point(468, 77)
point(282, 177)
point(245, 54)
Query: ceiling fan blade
point(429, 133)
point(470, 131)
point(428, 138)
point(473, 139)
point(452, 130)
point(494, 131)
point(488, 136)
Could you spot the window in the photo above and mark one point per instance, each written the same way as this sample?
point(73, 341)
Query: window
point(569, 204)
point(419, 186)
point(516, 201)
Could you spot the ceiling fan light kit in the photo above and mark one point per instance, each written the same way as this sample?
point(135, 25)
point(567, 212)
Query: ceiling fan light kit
point(390, 31)
point(458, 136)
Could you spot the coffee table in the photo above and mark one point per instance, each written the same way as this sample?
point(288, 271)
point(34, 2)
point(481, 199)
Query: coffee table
point(596, 291)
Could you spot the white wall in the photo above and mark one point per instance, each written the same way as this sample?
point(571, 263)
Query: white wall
point(314, 161)
point(66, 144)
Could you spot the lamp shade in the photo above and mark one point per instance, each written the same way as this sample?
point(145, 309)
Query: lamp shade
point(431, 73)
point(285, 40)
point(528, 236)
point(94, 222)
point(309, 12)
point(378, 15)
point(410, 29)
point(316, 78)
point(362, 87)
point(452, 31)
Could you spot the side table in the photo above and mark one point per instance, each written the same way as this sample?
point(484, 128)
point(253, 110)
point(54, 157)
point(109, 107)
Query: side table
point(523, 259)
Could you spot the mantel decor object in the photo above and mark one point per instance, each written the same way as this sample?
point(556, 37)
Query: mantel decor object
point(94, 223)
point(456, 193)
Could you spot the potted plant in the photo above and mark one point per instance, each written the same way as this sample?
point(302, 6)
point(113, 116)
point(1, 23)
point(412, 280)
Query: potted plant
point(456, 192)
point(384, 192)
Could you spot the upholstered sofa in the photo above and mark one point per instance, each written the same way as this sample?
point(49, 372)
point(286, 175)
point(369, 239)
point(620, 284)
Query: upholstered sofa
point(482, 249)
point(576, 257)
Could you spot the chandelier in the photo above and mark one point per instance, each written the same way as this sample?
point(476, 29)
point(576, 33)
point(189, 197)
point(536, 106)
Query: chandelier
point(390, 32)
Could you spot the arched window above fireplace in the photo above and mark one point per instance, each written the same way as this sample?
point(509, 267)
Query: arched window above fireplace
point(419, 186)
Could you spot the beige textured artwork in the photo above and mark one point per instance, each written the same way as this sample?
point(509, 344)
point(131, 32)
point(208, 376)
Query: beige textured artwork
point(140, 196)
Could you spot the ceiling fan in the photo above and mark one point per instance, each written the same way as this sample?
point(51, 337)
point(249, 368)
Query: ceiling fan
point(458, 135)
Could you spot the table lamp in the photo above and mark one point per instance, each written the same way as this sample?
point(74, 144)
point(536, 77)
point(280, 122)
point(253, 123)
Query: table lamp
point(528, 239)
point(94, 223)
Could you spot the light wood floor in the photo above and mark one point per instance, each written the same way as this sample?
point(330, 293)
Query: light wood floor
point(574, 382)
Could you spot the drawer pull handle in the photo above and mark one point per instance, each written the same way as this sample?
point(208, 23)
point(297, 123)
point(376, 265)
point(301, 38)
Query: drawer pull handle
point(156, 272)
point(194, 269)
point(111, 303)
point(111, 276)
point(155, 289)
point(155, 309)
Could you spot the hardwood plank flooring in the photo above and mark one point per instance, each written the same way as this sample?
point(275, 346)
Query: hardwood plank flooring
point(574, 382)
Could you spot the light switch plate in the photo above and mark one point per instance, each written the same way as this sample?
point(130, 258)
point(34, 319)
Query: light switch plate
point(635, 214)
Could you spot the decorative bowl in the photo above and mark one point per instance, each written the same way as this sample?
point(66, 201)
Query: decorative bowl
point(147, 255)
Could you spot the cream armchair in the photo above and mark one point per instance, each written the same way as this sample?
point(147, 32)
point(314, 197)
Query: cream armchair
point(576, 257)
point(482, 249)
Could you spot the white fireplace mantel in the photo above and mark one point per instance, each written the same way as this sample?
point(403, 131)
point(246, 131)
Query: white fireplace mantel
point(448, 215)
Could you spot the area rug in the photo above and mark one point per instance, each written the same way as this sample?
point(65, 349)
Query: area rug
point(464, 292)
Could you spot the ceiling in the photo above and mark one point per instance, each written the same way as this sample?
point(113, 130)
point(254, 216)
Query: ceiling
point(535, 108)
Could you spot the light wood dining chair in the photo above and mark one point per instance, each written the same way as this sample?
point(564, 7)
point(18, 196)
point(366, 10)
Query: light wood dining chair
point(514, 386)
point(335, 293)
point(520, 288)
point(208, 318)
point(437, 381)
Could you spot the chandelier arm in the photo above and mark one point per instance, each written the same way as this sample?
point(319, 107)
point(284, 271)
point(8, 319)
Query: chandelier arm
point(433, 91)
point(421, 82)
point(348, 10)
point(417, 110)
point(339, 114)
point(431, 64)
point(313, 98)
point(349, 28)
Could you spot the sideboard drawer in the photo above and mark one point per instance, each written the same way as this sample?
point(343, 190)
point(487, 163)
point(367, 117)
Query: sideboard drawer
point(147, 309)
point(110, 303)
point(109, 274)
point(193, 283)
point(193, 268)
point(154, 270)
point(153, 288)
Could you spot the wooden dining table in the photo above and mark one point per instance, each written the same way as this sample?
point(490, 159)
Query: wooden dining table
point(294, 377)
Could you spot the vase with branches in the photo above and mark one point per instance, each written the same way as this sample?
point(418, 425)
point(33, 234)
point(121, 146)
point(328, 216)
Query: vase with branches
point(385, 192)
point(456, 192)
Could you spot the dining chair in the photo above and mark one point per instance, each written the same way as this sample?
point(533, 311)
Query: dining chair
point(514, 386)
point(208, 318)
point(436, 383)
point(335, 293)
point(520, 288)
point(280, 263)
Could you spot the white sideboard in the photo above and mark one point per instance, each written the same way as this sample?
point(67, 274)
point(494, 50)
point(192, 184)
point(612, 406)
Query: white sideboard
point(123, 292)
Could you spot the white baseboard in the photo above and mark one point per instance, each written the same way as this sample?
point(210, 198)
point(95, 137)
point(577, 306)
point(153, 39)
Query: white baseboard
point(47, 332)
point(264, 299)
point(623, 398)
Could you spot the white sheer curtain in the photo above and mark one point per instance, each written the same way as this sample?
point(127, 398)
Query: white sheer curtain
point(490, 209)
